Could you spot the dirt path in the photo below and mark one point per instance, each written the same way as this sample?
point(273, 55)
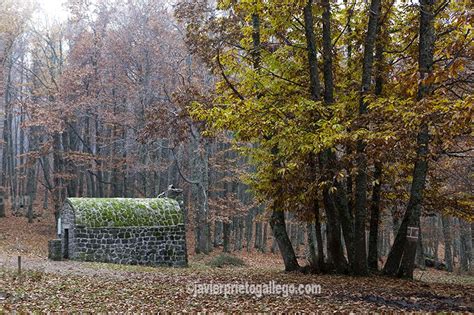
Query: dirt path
point(64, 268)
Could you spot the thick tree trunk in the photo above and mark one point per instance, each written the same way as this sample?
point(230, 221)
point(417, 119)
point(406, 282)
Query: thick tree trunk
point(315, 88)
point(360, 266)
point(340, 197)
point(277, 220)
point(346, 219)
point(335, 254)
point(313, 260)
point(376, 189)
point(319, 236)
point(335, 206)
point(327, 53)
point(401, 260)
point(375, 218)
point(277, 223)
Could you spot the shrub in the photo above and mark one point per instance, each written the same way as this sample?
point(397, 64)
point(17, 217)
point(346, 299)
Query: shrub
point(224, 260)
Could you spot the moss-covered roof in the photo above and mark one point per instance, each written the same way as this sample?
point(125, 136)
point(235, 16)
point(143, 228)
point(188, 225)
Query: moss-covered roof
point(120, 212)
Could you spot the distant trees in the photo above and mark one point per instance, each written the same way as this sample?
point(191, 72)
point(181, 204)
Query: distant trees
point(13, 17)
point(97, 106)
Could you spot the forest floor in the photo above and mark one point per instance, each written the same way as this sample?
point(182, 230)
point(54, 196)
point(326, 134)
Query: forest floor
point(80, 286)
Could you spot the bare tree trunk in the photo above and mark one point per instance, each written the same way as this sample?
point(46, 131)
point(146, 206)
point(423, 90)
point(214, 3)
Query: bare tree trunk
point(238, 233)
point(249, 229)
point(448, 256)
point(226, 237)
point(472, 247)
point(313, 259)
point(466, 245)
point(31, 173)
point(374, 219)
point(263, 247)
point(360, 203)
point(315, 87)
point(58, 173)
point(319, 237)
point(277, 223)
point(336, 257)
point(335, 254)
point(435, 225)
point(420, 252)
point(455, 239)
point(401, 260)
point(258, 232)
point(376, 189)
point(218, 230)
point(3, 108)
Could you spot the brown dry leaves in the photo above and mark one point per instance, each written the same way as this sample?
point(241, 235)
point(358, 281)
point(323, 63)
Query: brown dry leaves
point(75, 286)
point(134, 289)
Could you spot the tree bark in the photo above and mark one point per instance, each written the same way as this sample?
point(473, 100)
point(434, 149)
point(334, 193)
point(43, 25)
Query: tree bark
point(378, 167)
point(335, 254)
point(226, 237)
point(315, 88)
point(277, 223)
point(319, 237)
point(31, 172)
point(420, 252)
point(360, 203)
point(327, 54)
point(263, 247)
point(401, 260)
point(448, 255)
point(313, 260)
point(466, 245)
point(374, 219)
point(436, 239)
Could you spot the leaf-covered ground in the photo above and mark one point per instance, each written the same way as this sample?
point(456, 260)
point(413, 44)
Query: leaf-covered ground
point(95, 287)
point(79, 286)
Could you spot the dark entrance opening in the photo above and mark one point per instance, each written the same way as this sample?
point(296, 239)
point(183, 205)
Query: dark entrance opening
point(66, 244)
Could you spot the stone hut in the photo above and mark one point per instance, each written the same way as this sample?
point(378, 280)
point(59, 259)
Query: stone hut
point(137, 231)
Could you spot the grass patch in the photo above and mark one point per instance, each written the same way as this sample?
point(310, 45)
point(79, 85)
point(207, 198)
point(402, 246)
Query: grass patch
point(224, 260)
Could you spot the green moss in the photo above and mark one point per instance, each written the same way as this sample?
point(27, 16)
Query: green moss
point(121, 212)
